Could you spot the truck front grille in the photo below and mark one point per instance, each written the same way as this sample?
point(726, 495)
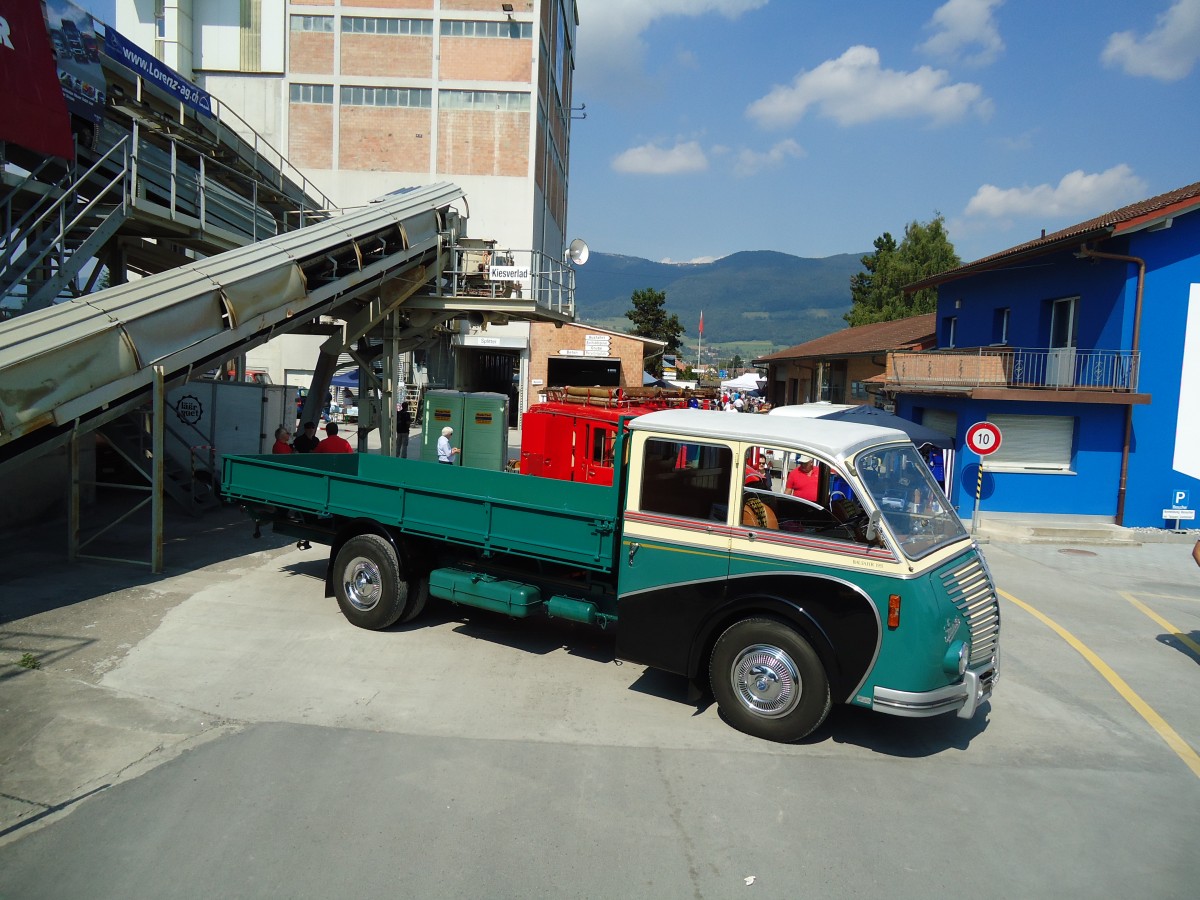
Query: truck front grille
point(970, 589)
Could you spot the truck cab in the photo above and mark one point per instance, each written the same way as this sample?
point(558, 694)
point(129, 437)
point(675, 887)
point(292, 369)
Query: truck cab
point(872, 594)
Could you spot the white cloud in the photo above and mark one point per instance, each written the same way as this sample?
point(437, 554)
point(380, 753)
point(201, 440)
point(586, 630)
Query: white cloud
point(959, 24)
point(609, 35)
point(854, 89)
point(697, 261)
point(1166, 53)
point(1077, 194)
point(751, 162)
point(650, 159)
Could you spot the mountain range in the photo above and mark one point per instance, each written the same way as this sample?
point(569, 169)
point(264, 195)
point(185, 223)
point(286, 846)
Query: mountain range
point(759, 297)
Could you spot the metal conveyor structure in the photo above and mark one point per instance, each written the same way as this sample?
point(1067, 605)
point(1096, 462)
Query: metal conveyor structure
point(72, 367)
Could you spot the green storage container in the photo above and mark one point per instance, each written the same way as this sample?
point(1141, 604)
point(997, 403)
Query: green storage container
point(484, 591)
point(442, 408)
point(485, 431)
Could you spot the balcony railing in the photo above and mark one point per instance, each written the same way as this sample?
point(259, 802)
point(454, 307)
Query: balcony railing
point(1054, 369)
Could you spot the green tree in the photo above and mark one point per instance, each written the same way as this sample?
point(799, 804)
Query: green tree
point(650, 319)
point(736, 362)
point(877, 293)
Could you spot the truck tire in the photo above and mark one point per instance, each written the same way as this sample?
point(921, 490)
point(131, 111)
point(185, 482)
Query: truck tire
point(418, 596)
point(768, 681)
point(368, 584)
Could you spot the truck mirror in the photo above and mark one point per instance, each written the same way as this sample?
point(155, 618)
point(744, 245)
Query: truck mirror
point(872, 530)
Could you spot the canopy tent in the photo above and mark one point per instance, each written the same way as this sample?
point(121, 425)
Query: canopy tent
point(751, 381)
point(345, 380)
point(649, 380)
point(918, 434)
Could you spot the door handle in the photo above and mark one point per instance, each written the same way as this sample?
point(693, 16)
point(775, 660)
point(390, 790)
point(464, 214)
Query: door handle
point(633, 549)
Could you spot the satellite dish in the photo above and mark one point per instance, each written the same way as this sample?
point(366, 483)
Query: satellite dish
point(578, 252)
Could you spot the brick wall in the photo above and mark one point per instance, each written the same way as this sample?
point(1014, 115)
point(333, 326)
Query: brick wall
point(380, 138)
point(472, 142)
point(395, 4)
point(310, 135)
point(310, 52)
point(387, 54)
point(487, 59)
point(545, 341)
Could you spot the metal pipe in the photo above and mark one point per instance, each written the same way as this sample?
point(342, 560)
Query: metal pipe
point(1084, 250)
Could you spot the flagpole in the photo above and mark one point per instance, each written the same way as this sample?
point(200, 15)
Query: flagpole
point(700, 346)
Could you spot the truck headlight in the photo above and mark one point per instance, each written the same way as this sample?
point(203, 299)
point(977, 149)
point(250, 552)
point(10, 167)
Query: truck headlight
point(956, 658)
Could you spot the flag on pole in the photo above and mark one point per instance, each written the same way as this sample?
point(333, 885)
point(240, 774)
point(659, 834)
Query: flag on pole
point(702, 321)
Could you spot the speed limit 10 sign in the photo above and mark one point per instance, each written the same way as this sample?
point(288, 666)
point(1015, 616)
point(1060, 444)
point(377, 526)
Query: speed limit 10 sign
point(983, 438)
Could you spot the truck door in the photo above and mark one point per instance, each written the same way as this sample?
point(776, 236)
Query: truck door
point(546, 444)
point(594, 443)
point(674, 556)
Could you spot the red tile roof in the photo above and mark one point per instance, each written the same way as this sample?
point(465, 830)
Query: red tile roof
point(899, 334)
point(1125, 220)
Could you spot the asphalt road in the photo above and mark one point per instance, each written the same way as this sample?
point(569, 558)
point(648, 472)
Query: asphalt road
point(221, 731)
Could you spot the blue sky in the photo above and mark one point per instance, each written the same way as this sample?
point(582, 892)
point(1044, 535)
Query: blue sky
point(811, 127)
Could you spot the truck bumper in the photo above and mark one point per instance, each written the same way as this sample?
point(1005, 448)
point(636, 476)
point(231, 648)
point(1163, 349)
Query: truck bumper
point(965, 697)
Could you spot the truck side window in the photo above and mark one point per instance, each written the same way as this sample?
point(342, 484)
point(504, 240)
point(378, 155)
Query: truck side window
point(686, 479)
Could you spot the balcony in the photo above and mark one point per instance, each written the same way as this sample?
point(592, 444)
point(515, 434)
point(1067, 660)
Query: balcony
point(1065, 374)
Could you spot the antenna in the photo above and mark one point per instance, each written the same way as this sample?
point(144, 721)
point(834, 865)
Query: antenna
point(578, 252)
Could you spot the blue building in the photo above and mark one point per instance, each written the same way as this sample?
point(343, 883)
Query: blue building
point(1083, 347)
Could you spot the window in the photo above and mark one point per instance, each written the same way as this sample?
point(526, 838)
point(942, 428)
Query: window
point(1000, 325)
point(367, 25)
point(312, 93)
point(950, 332)
point(413, 98)
point(943, 420)
point(506, 101)
point(467, 28)
point(1033, 444)
point(686, 479)
point(312, 23)
point(858, 390)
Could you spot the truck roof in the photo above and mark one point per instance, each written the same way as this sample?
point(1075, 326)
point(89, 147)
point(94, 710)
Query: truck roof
point(833, 439)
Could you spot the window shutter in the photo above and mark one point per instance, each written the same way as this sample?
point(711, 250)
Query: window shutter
point(1034, 442)
point(943, 420)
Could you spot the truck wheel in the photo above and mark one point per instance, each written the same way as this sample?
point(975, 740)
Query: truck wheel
point(367, 582)
point(418, 596)
point(768, 681)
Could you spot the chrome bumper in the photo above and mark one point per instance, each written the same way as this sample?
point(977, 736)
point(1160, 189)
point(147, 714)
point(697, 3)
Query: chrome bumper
point(965, 697)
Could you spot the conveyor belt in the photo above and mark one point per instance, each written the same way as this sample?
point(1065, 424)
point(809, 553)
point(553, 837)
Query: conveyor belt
point(88, 359)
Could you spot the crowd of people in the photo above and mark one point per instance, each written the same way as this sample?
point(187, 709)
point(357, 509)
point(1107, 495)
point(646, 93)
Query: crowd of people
point(732, 401)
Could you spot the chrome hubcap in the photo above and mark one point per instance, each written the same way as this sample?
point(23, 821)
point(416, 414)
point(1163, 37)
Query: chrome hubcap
point(766, 681)
point(363, 583)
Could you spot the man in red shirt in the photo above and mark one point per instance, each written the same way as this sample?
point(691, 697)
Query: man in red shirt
point(803, 481)
point(281, 444)
point(333, 443)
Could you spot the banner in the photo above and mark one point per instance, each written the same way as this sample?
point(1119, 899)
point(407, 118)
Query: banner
point(33, 113)
point(138, 61)
point(77, 51)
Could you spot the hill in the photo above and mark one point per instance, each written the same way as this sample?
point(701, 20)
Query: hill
point(749, 297)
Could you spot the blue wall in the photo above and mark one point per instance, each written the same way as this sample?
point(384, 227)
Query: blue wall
point(1107, 292)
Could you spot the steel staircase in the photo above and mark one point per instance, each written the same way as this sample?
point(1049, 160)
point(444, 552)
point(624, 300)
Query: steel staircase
point(192, 487)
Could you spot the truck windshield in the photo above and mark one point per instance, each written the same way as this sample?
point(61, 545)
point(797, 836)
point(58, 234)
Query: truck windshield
point(911, 502)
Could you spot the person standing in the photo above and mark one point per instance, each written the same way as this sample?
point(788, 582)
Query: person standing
point(307, 441)
point(803, 481)
point(445, 453)
point(333, 443)
point(281, 444)
point(403, 427)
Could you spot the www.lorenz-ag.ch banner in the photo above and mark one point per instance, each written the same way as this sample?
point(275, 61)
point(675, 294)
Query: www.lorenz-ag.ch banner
point(138, 61)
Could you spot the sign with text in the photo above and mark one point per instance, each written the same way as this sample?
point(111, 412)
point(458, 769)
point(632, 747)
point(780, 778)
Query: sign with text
point(508, 273)
point(137, 60)
point(984, 438)
point(1180, 499)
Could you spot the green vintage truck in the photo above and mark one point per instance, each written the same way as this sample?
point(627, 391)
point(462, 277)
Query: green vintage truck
point(705, 555)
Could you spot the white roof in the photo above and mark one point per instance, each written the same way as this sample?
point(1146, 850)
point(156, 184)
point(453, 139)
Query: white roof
point(820, 437)
point(751, 381)
point(809, 410)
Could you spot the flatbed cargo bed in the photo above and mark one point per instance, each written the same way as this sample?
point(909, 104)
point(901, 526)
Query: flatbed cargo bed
point(498, 512)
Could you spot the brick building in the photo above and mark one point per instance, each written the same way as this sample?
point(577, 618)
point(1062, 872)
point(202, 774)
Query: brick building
point(367, 96)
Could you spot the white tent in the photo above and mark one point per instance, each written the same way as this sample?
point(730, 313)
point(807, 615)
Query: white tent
point(751, 381)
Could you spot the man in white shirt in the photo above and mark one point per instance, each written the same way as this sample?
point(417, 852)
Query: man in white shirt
point(445, 453)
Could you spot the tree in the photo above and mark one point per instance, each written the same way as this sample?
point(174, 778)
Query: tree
point(650, 319)
point(877, 294)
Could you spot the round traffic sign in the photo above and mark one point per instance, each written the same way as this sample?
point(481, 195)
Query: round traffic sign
point(983, 438)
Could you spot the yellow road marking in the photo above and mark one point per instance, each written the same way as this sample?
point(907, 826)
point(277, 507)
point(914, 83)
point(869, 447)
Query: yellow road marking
point(1181, 747)
point(1175, 632)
